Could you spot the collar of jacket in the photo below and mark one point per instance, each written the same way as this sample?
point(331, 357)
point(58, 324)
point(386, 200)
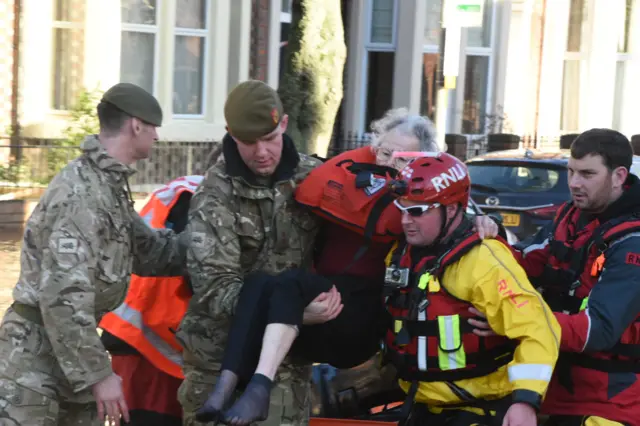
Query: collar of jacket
point(629, 202)
point(435, 251)
point(95, 152)
point(235, 166)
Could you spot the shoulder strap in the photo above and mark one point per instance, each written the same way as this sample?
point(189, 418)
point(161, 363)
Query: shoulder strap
point(399, 251)
point(564, 211)
point(558, 249)
point(606, 233)
point(356, 168)
point(615, 229)
point(462, 247)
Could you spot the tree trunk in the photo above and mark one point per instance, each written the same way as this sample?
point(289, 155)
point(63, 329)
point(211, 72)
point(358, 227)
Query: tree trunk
point(311, 86)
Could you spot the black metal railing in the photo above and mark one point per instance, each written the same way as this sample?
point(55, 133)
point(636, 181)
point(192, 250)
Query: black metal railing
point(33, 162)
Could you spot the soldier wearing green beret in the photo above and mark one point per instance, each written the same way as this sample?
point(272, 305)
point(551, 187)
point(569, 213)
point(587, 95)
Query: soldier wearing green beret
point(80, 246)
point(243, 219)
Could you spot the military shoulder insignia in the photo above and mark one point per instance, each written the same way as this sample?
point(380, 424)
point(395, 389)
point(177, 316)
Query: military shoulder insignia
point(68, 245)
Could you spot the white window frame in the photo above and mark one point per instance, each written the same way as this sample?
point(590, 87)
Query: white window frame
point(286, 16)
point(583, 59)
point(489, 52)
point(625, 58)
point(373, 47)
point(64, 25)
point(430, 48)
point(148, 29)
point(381, 47)
point(203, 33)
point(635, 9)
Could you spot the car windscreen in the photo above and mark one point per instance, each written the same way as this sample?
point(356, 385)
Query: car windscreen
point(635, 167)
point(517, 177)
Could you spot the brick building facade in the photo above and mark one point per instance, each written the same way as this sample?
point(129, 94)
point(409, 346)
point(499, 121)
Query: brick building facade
point(259, 55)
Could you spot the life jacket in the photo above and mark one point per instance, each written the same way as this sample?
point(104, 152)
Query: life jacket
point(351, 190)
point(430, 339)
point(154, 306)
point(576, 260)
point(156, 211)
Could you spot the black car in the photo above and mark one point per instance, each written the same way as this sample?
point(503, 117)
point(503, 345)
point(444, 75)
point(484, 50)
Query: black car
point(524, 186)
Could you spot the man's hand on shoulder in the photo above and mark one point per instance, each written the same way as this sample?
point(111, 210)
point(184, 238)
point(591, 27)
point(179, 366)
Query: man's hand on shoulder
point(486, 227)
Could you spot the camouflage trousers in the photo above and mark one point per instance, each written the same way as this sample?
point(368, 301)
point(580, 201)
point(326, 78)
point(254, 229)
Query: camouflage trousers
point(289, 398)
point(33, 391)
point(20, 406)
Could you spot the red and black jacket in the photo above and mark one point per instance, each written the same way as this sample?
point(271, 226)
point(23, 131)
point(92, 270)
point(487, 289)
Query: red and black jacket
point(588, 270)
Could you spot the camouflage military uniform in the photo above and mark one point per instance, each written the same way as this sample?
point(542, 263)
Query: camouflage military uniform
point(238, 226)
point(80, 246)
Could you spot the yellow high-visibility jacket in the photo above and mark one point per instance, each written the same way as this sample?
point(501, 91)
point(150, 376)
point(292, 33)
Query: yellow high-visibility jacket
point(489, 278)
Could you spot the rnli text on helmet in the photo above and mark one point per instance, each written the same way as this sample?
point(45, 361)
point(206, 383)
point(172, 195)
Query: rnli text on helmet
point(455, 174)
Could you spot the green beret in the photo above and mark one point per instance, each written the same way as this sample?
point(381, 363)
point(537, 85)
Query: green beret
point(253, 109)
point(135, 101)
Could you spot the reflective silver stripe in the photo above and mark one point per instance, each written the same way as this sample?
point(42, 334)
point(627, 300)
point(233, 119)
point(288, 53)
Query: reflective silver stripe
point(450, 335)
point(530, 372)
point(533, 247)
point(134, 317)
point(148, 217)
point(422, 346)
point(167, 193)
point(586, 341)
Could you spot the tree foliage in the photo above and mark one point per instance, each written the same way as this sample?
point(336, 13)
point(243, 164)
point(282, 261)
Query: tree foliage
point(311, 87)
point(83, 121)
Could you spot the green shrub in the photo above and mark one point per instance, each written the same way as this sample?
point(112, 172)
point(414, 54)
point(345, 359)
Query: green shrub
point(83, 121)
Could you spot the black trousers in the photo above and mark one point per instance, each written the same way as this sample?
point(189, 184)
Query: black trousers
point(349, 340)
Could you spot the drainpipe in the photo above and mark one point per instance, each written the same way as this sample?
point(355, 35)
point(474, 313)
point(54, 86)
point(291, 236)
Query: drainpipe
point(15, 84)
point(539, 77)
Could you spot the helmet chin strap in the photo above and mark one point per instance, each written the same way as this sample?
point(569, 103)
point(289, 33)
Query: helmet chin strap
point(445, 224)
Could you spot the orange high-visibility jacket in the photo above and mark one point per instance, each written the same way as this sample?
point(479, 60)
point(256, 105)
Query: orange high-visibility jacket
point(154, 306)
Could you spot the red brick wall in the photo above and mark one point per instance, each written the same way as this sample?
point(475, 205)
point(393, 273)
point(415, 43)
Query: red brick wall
point(259, 56)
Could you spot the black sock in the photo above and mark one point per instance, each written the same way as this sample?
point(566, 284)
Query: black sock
point(218, 399)
point(253, 405)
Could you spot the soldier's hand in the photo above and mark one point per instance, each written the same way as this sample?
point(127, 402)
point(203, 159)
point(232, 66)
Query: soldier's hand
point(110, 399)
point(324, 308)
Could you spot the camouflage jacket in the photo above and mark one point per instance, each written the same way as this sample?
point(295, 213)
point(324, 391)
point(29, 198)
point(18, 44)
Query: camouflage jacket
point(238, 226)
point(81, 244)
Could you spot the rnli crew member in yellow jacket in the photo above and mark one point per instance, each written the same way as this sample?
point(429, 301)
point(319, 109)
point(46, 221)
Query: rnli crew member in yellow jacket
point(433, 277)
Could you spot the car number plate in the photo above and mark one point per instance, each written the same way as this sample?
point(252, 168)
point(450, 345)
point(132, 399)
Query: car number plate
point(510, 219)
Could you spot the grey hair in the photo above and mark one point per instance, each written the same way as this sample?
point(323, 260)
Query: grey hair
point(401, 120)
